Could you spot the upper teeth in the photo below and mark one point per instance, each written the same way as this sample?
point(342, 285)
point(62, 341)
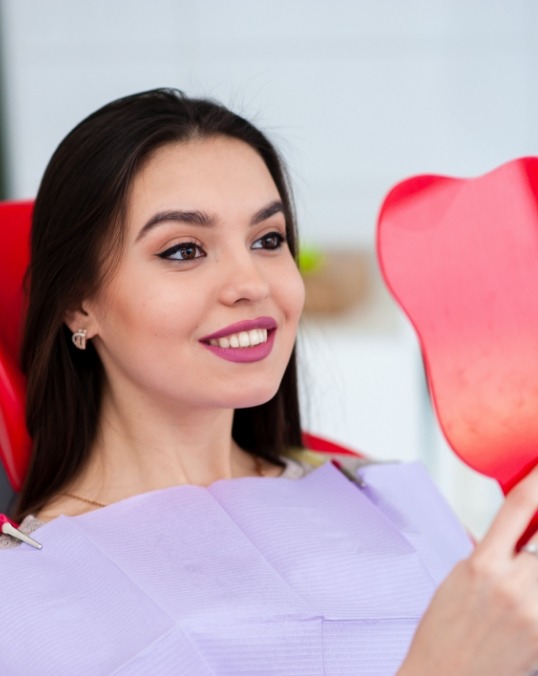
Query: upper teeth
point(242, 339)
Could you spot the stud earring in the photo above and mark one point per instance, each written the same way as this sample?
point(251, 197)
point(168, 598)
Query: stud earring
point(79, 339)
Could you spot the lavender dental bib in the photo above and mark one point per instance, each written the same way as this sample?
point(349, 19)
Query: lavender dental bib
point(249, 576)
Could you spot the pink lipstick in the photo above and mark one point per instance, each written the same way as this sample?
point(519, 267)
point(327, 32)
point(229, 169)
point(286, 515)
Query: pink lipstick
point(243, 342)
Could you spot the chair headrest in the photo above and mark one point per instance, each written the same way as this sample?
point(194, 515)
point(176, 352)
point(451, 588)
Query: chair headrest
point(15, 221)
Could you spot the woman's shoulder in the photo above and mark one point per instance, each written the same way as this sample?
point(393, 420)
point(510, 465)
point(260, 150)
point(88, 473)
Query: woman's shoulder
point(302, 461)
point(298, 463)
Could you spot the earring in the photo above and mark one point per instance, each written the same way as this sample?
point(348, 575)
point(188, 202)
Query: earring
point(79, 339)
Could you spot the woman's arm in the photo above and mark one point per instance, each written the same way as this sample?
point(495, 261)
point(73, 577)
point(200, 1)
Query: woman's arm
point(484, 617)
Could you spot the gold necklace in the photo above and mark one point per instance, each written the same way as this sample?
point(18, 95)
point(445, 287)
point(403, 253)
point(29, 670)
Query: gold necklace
point(97, 503)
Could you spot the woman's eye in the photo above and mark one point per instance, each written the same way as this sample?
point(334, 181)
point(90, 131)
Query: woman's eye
point(271, 241)
point(186, 251)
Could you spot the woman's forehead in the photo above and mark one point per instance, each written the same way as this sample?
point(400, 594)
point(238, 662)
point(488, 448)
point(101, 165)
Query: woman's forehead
point(216, 174)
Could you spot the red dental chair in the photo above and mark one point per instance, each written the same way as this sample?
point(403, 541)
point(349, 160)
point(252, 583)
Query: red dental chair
point(15, 220)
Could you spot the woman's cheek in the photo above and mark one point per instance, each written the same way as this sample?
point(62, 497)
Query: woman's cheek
point(297, 292)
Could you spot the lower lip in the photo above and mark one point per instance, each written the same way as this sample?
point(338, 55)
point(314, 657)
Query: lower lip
point(244, 355)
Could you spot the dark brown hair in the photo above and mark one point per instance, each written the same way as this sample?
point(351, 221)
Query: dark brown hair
point(78, 217)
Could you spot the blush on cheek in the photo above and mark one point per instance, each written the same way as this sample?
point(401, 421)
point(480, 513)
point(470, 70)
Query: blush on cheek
point(297, 297)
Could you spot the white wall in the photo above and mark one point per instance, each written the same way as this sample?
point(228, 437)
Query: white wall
point(359, 94)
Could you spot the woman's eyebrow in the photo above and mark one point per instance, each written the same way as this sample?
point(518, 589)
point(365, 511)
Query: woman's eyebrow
point(275, 207)
point(201, 218)
point(180, 216)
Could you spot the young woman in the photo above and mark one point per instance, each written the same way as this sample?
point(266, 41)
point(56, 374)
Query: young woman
point(184, 528)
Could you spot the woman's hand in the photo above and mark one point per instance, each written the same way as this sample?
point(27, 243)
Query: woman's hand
point(484, 617)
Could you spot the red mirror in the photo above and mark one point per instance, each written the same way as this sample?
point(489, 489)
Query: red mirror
point(461, 258)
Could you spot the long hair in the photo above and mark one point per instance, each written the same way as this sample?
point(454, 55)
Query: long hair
point(78, 221)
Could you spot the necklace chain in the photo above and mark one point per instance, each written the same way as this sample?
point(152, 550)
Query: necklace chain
point(97, 503)
point(83, 499)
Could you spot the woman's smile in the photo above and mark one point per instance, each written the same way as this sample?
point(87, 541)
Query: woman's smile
point(242, 348)
point(237, 342)
point(241, 339)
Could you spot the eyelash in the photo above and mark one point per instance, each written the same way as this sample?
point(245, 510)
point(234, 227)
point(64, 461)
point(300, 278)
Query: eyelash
point(280, 240)
point(169, 253)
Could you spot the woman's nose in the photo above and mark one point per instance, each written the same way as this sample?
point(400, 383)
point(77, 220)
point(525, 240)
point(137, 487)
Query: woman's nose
point(242, 280)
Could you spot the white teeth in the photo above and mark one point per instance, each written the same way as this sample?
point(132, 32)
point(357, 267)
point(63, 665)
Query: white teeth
point(254, 337)
point(242, 339)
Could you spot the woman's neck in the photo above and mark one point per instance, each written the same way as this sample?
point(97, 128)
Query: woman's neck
point(141, 448)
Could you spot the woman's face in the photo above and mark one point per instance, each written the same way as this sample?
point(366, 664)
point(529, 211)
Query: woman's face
point(203, 308)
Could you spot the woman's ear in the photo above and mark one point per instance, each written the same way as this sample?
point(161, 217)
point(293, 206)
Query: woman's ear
point(82, 324)
point(81, 319)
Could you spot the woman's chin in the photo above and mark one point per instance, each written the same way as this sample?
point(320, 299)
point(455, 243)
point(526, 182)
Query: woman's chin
point(254, 397)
